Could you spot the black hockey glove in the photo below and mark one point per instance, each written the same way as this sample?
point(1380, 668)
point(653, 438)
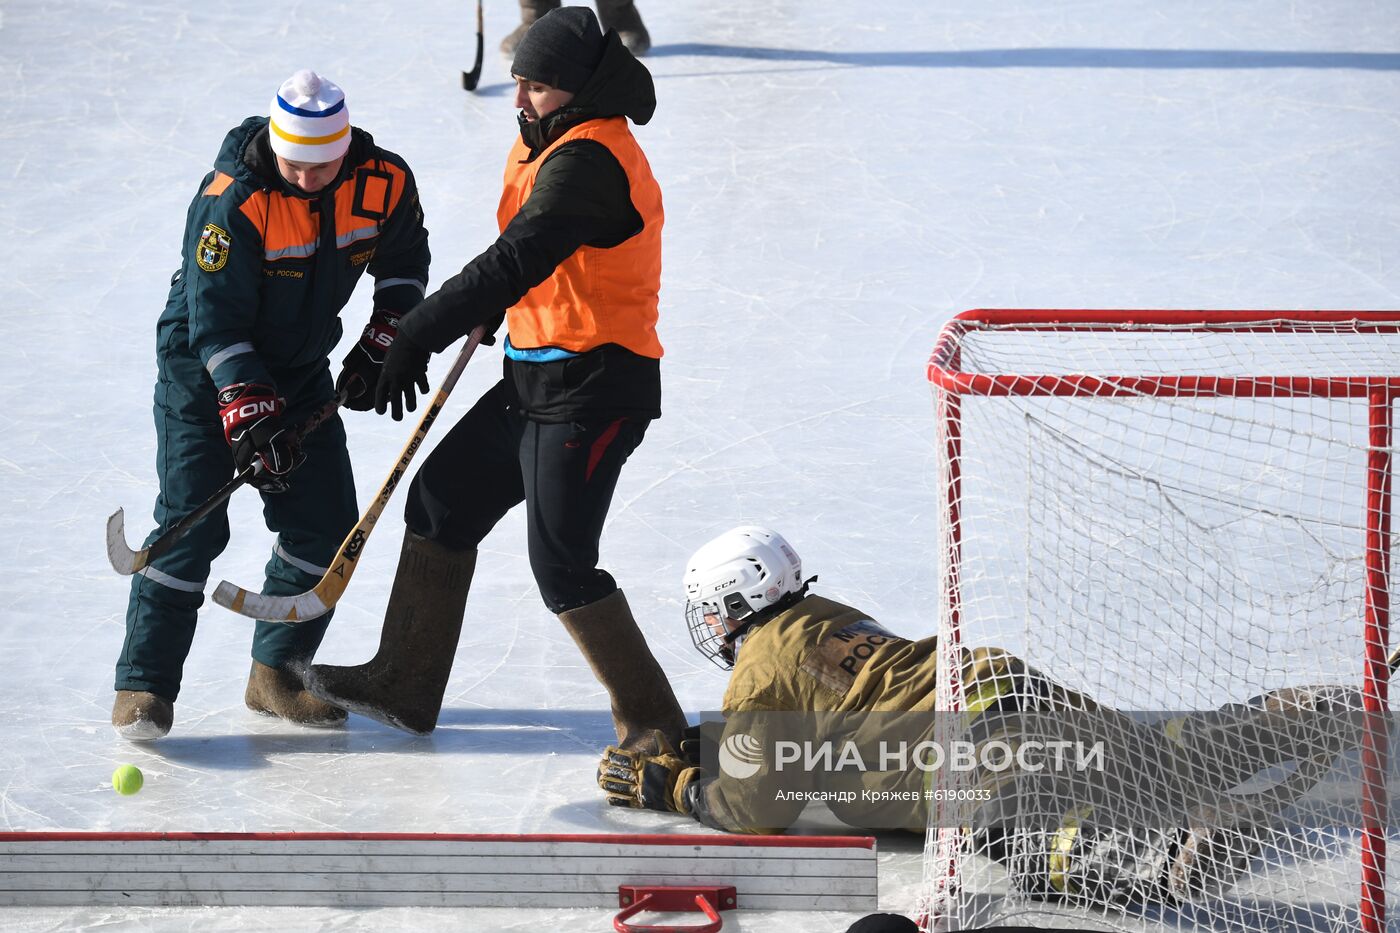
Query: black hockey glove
point(251, 414)
point(363, 363)
point(405, 366)
point(651, 778)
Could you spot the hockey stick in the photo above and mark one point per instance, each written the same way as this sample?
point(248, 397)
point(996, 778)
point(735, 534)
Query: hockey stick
point(470, 78)
point(125, 561)
point(321, 598)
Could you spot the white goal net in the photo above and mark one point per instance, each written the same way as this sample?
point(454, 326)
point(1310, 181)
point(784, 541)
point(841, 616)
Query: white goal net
point(1179, 515)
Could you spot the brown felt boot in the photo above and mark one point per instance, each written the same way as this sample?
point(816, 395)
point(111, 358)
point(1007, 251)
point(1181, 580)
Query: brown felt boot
point(403, 684)
point(622, 15)
point(278, 691)
point(141, 716)
point(530, 10)
point(642, 699)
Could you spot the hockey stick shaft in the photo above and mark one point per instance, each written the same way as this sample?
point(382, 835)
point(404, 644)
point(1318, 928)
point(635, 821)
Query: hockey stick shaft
point(470, 78)
point(126, 561)
point(321, 598)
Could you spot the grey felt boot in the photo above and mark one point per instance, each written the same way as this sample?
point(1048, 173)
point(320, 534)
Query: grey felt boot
point(403, 684)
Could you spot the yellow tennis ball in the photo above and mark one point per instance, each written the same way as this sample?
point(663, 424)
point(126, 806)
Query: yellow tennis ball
point(127, 780)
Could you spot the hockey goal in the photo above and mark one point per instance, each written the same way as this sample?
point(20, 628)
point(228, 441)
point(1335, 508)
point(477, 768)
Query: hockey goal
point(1174, 511)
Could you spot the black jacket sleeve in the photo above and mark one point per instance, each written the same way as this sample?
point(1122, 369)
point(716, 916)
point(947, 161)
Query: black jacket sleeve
point(580, 197)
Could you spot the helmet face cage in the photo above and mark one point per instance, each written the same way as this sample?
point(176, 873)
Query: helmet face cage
point(709, 642)
point(716, 642)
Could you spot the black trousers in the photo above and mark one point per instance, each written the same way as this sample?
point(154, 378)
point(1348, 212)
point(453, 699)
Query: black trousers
point(495, 458)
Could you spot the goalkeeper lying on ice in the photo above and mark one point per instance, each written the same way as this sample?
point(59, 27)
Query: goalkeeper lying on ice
point(1155, 820)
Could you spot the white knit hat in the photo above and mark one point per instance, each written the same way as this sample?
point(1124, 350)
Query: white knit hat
point(309, 120)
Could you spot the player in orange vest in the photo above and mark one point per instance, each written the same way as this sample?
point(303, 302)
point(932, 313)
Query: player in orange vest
point(576, 273)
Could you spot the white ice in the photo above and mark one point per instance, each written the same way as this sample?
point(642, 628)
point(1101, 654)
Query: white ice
point(839, 178)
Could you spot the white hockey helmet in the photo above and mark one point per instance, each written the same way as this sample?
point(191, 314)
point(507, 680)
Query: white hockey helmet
point(740, 573)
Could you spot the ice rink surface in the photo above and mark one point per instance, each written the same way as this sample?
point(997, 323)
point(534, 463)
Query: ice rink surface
point(839, 179)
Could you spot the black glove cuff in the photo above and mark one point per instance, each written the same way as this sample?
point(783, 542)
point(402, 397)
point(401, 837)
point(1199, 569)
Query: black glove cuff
point(397, 299)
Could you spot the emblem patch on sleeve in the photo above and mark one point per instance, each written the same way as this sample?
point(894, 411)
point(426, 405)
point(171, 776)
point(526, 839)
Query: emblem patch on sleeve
point(212, 252)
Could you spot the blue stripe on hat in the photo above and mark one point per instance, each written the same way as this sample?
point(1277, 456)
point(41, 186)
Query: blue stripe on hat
point(331, 111)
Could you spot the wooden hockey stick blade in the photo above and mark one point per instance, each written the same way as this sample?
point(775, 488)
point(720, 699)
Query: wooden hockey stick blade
point(126, 561)
point(322, 597)
point(470, 78)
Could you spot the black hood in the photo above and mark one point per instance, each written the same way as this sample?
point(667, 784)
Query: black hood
point(621, 86)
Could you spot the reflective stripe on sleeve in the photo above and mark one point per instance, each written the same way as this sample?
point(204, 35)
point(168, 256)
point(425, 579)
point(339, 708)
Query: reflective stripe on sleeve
point(226, 354)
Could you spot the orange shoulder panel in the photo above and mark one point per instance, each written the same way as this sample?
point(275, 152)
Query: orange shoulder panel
point(217, 186)
point(255, 209)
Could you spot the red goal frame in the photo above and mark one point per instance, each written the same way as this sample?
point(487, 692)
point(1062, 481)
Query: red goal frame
point(1380, 390)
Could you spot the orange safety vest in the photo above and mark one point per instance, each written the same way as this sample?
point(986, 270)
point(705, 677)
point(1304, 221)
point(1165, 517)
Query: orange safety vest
point(596, 296)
